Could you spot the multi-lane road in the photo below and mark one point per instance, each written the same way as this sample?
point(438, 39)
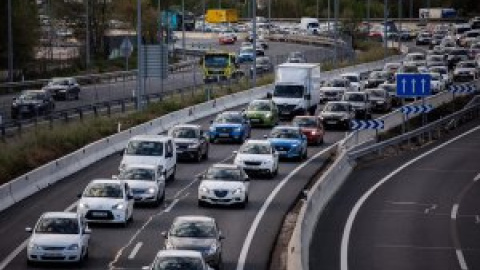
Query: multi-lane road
point(419, 210)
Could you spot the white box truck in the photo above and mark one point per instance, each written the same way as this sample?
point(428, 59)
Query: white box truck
point(297, 88)
point(310, 25)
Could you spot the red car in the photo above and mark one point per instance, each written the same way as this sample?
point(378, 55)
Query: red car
point(312, 127)
point(226, 39)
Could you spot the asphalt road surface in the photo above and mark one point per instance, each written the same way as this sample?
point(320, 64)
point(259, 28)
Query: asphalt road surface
point(423, 215)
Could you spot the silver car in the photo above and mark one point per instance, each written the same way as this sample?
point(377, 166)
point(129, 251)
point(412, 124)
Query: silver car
point(198, 233)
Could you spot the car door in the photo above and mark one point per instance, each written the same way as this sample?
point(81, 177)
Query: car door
point(128, 197)
point(171, 161)
point(85, 235)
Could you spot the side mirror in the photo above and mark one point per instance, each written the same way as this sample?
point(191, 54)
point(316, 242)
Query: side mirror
point(130, 197)
point(29, 230)
point(87, 231)
point(14, 98)
point(247, 179)
point(164, 234)
point(79, 195)
point(199, 177)
point(221, 236)
point(211, 121)
point(235, 152)
point(269, 95)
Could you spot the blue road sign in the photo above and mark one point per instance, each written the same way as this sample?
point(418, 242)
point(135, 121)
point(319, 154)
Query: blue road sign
point(413, 85)
point(414, 109)
point(367, 124)
point(463, 88)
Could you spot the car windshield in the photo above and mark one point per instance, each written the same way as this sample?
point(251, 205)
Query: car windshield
point(58, 82)
point(410, 69)
point(466, 65)
point(178, 263)
point(439, 70)
point(229, 118)
point(377, 75)
point(291, 91)
point(256, 149)
point(351, 78)
point(285, 134)
point(137, 174)
point(259, 106)
point(246, 51)
point(305, 122)
point(336, 107)
point(435, 58)
point(104, 190)
point(416, 57)
point(458, 52)
point(224, 174)
point(336, 83)
point(376, 93)
point(354, 97)
point(435, 76)
point(32, 96)
point(184, 133)
point(58, 226)
point(216, 60)
point(144, 148)
point(195, 229)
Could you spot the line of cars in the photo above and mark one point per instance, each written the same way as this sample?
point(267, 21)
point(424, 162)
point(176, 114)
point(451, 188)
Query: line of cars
point(41, 102)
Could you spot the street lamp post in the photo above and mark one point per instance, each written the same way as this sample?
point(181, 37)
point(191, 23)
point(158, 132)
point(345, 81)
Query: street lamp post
point(400, 16)
point(140, 74)
point(328, 17)
point(10, 42)
point(385, 37)
point(87, 34)
point(254, 43)
point(183, 30)
point(336, 11)
point(368, 16)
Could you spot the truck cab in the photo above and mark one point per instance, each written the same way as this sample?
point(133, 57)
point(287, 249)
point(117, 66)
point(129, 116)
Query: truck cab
point(219, 66)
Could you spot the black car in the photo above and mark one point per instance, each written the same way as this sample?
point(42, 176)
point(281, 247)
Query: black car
point(191, 142)
point(375, 78)
point(32, 103)
point(63, 88)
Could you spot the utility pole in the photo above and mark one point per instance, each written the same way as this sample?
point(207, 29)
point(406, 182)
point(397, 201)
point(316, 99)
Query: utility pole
point(368, 15)
point(270, 12)
point(140, 67)
point(204, 14)
point(254, 32)
point(328, 17)
point(219, 4)
point(400, 16)
point(10, 42)
point(87, 34)
point(183, 30)
point(336, 11)
point(318, 9)
point(385, 37)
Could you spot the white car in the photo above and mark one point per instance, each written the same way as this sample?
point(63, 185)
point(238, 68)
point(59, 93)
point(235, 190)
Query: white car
point(58, 237)
point(334, 90)
point(224, 184)
point(178, 259)
point(257, 157)
point(416, 59)
point(146, 183)
point(106, 201)
point(442, 70)
point(355, 80)
point(437, 83)
point(156, 150)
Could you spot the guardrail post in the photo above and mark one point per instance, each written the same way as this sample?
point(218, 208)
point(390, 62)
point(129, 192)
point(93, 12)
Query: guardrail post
point(65, 116)
point(80, 113)
point(109, 108)
point(95, 110)
point(122, 103)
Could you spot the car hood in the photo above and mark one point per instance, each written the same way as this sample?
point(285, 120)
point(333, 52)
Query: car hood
point(223, 185)
point(140, 184)
point(100, 203)
point(185, 141)
point(333, 114)
point(191, 243)
point(46, 239)
point(373, 98)
point(147, 160)
point(253, 157)
point(287, 101)
point(55, 87)
point(28, 102)
point(357, 104)
point(227, 125)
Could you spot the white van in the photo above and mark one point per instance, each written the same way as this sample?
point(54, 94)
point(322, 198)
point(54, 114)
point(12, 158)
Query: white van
point(310, 25)
point(156, 150)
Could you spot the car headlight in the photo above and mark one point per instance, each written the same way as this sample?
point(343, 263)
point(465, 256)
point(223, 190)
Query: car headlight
point(73, 247)
point(151, 190)
point(82, 205)
point(380, 102)
point(238, 191)
point(34, 246)
point(194, 145)
point(295, 145)
point(169, 245)
point(212, 129)
point(238, 129)
point(314, 133)
point(204, 189)
point(344, 117)
point(268, 115)
point(63, 90)
point(213, 249)
point(118, 206)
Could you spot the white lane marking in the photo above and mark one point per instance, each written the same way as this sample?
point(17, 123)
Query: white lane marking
point(353, 214)
point(476, 178)
point(24, 244)
point(461, 259)
point(251, 232)
point(135, 251)
point(454, 213)
point(170, 207)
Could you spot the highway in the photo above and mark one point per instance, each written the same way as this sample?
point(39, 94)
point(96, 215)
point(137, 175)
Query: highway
point(418, 210)
point(117, 90)
point(112, 246)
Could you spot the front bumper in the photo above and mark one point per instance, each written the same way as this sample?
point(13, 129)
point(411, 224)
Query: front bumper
point(330, 122)
point(228, 199)
point(234, 135)
point(187, 153)
point(40, 255)
point(261, 121)
point(104, 216)
point(261, 169)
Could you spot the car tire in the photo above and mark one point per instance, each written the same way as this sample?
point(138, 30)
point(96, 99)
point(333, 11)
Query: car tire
point(202, 203)
point(30, 262)
point(305, 155)
point(160, 198)
point(243, 204)
point(198, 156)
point(77, 96)
point(171, 178)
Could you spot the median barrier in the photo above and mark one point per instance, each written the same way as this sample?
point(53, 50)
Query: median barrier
point(6, 199)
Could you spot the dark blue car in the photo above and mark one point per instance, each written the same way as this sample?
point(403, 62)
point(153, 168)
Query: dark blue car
point(230, 125)
point(289, 142)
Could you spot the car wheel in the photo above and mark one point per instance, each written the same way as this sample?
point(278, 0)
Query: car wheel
point(198, 156)
point(201, 203)
point(243, 205)
point(305, 155)
point(77, 96)
point(30, 262)
point(85, 256)
point(172, 176)
point(160, 198)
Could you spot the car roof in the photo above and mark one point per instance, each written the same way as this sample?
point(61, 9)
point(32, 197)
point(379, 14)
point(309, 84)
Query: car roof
point(187, 126)
point(34, 91)
point(287, 127)
point(226, 166)
point(339, 102)
point(258, 142)
point(305, 116)
point(194, 218)
point(141, 166)
point(152, 138)
point(231, 112)
point(350, 74)
point(179, 253)
point(106, 181)
point(59, 215)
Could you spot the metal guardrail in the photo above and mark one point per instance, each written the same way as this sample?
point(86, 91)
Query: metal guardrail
point(308, 40)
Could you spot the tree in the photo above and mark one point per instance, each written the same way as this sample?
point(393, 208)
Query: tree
point(26, 32)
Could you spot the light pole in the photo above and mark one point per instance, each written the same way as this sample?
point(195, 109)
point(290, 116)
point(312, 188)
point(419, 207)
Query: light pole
point(368, 16)
point(270, 11)
point(411, 9)
point(328, 17)
point(254, 43)
point(318, 8)
point(219, 4)
point(204, 14)
point(139, 56)
point(183, 29)
point(336, 10)
point(87, 34)
point(400, 15)
point(10, 42)
point(385, 38)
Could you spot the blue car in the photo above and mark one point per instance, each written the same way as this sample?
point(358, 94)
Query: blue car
point(245, 55)
point(289, 142)
point(230, 125)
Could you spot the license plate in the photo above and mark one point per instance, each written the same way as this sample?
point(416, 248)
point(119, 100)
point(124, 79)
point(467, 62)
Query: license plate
point(54, 254)
point(99, 214)
point(331, 122)
point(224, 135)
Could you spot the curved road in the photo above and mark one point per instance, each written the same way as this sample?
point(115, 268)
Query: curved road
point(419, 210)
